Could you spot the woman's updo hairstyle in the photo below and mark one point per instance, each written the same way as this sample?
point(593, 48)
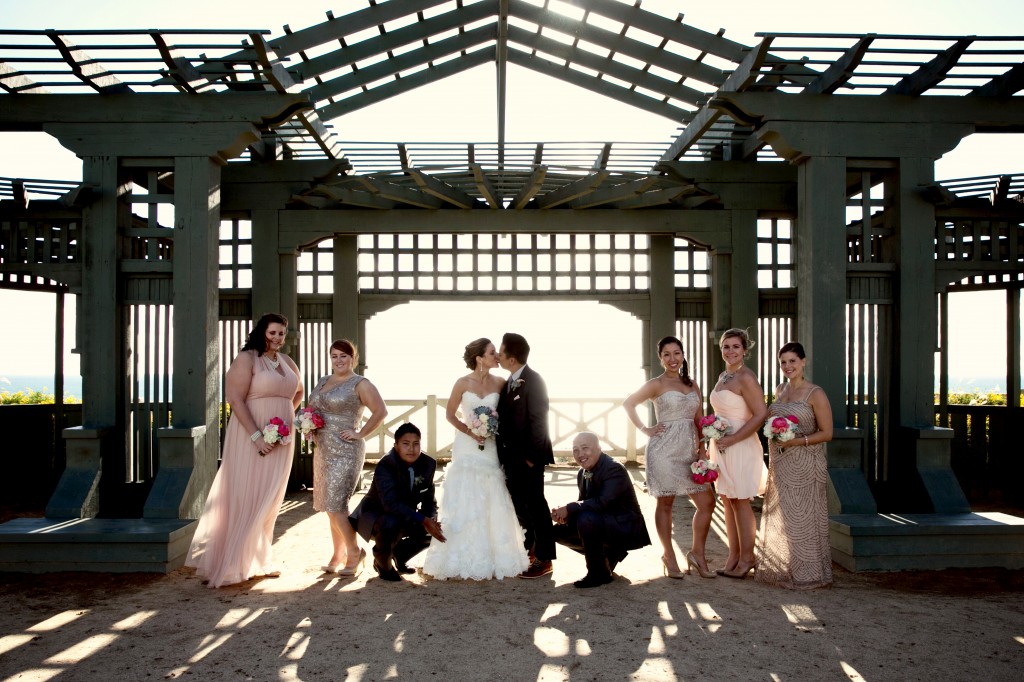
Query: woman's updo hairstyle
point(474, 350)
point(684, 370)
point(793, 347)
point(736, 333)
point(348, 348)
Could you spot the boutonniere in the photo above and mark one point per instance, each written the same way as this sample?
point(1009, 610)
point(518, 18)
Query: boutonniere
point(517, 383)
point(417, 482)
point(587, 475)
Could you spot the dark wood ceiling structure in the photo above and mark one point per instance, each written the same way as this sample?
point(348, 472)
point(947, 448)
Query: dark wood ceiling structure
point(619, 50)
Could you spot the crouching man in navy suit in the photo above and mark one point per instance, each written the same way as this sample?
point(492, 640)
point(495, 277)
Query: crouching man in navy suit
point(398, 513)
point(606, 521)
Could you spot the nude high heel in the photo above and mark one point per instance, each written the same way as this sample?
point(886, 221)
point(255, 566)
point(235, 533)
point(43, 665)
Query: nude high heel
point(739, 573)
point(691, 562)
point(678, 575)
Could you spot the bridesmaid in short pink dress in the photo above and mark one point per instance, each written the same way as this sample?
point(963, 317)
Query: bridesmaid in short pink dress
point(233, 540)
point(739, 399)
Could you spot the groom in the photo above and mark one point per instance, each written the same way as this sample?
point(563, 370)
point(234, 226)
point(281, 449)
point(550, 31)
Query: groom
point(524, 447)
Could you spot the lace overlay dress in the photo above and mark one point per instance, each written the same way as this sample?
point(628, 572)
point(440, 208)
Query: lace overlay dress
point(476, 514)
point(337, 463)
point(793, 546)
point(742, 473)
point(670, 453)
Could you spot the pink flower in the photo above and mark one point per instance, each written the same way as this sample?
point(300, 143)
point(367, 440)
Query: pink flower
point(277, 421)
point(707, 420)
point(779, 423)
point(699, 478)
point(318, 421)
point(282, 428)
point(793, 419)
point(711, 476)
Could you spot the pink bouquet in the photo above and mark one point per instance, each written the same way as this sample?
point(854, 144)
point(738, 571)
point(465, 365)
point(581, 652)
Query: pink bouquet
point(307, 421)
point(781, 429)
point(704, 471)
point(713, 427)
point(276, 432)
point(483, 423)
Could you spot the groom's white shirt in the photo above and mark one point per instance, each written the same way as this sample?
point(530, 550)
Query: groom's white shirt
point(516, 374)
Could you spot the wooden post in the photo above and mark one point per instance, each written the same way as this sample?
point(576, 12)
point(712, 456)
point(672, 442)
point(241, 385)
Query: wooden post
point(663, 297)
point(1012, 347)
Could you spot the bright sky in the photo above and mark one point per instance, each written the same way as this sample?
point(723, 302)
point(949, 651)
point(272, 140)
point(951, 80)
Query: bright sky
point(573, 344)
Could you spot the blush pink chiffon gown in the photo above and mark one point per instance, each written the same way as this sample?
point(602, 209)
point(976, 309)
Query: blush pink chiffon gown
point(233, 540)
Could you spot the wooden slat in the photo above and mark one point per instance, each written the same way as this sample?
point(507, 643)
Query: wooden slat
point(573, 190)
point(530, 188)
point(442, 190)
point(92, 74)
point(1004, 85)
point(932, 73)
point(485, 187)
point(842, 70)
point(13, 81)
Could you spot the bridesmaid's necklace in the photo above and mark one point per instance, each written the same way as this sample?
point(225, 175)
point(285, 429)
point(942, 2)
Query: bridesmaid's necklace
point(729, 376)
point(273, 362)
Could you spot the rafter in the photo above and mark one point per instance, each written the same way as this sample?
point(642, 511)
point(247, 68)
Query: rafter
point(14, 82)
point(442, 190)
point(1005, 85)
point(655, 197)
point(485, 187)
point(620, 192)
point(86, 68)
point(930, 74)
point(533, 184)
point(573, 190)
point(836, 75)
point(347, 197)
point(393, 192)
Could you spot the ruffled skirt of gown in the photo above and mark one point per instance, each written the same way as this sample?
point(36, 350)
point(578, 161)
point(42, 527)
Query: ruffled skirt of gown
point(484, 538)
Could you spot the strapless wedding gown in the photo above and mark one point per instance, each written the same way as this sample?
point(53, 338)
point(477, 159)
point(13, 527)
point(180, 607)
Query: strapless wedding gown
point(484, 538)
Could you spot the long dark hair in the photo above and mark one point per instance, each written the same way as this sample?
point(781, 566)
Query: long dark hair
point(684, 371)
point(257, 339)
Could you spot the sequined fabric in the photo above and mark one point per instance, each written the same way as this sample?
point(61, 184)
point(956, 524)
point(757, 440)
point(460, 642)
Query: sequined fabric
point(337, 463)
point(670, 453)
point(793, 546)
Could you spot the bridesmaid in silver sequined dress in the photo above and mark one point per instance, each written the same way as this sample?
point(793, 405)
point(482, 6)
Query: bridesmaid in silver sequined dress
point(672, 447)
point(793, 547)
point(340, 398)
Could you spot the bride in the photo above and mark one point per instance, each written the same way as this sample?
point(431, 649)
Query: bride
point(485, 539)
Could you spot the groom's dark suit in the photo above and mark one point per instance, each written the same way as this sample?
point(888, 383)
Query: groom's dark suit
point(523, 436)
point(606, 521)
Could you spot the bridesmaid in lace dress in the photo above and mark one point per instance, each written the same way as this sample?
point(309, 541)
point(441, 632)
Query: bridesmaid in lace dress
point(340, 397)
point(739, 399)
point(794, 550)
point(672, 447)
point(233, 540)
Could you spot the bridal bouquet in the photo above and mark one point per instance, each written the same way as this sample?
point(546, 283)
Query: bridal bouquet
point(781, 429)
point(704, 471)
point(713, 427)
point(308, 420)
point(483, 423)
point(276, 431)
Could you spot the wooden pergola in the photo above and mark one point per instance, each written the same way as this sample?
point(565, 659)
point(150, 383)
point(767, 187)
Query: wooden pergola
point(816, 149)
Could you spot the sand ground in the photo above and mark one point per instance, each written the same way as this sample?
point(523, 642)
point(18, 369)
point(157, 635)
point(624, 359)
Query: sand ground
point(947, 625)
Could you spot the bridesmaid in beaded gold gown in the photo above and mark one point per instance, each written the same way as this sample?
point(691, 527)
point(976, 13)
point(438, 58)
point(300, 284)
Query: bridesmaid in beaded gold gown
point(794, 549)
point(340, 397)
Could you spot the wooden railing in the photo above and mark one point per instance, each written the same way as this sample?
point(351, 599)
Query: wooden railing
point(986, 454)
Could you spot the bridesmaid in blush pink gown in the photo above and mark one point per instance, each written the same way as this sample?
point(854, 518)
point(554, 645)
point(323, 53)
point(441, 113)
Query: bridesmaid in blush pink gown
point(739, 399)
point(233, 540)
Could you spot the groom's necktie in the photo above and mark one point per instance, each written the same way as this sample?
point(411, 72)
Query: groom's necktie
point(412, 479)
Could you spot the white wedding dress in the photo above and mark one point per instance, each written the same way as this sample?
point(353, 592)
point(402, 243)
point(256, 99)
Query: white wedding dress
point(484, 538)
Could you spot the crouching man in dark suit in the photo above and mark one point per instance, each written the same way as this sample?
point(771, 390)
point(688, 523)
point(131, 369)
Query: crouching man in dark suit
point(606, 521)
point(398, 513)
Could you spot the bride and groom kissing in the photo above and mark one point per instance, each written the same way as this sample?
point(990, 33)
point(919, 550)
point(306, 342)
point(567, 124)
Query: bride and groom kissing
point(494, 521)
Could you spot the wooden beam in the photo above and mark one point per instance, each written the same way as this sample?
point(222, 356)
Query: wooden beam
point(405, 195)
point(605, 65)
point(630, 189)
point(86, 68)
point(930, 74)
point(1005, 85)
point(745, 74)
point(501, 83)
point(407, 83)
point(530, 188)
point(378, 45)
point(484, 185)
point(349, 197)
point(655, 197)
point(573, 190)
point(602, 87)
point(179, 69)
point(842, 70)
point(12, 81)
point(442, 190)
point(395, 65)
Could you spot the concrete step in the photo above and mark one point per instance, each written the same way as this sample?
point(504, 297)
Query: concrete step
point(900, 542)
point(44, 545)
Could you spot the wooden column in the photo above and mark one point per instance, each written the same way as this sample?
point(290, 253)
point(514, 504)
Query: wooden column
point(188, 450)
point(1013, 348)
point(345, 318)
point(745, 307)
point(288, 270)
point(101, 341)
point(663, 297)
point(821, 319)
point(266, 280)
point(916, 342)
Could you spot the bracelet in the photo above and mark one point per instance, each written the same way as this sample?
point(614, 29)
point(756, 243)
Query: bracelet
point(805, 440)
point(255, 436)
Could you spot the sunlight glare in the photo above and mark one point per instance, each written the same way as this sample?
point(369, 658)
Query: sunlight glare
point(210, 644)
point(802, 616)
point(657, 645)
point(1019, 639)
point(704, 612)
point(551, 611)
point(37, 674)
point(356, 672)
point(400, 642)
point(82, 650)
point(550, 672)
point(551, 641)
point(10, 642)
point(851, 672)
point(54, 622)
point(583, 647)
